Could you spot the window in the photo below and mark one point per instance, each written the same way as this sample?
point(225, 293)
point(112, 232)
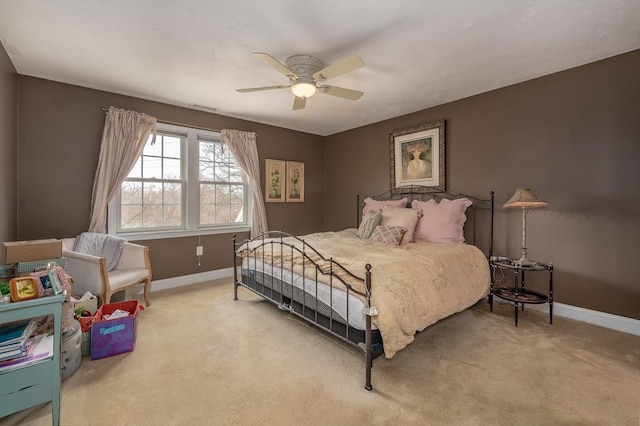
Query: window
point(186, 183)
point(222, 185)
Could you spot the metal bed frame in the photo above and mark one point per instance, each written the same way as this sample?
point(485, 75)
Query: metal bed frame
point(287, 297)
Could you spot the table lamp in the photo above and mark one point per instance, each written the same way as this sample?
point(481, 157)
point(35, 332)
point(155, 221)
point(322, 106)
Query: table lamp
point(524, 199)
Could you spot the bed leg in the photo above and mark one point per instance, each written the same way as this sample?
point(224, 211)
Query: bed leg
point(368, 361)
point(235, 270)
point(368, 356)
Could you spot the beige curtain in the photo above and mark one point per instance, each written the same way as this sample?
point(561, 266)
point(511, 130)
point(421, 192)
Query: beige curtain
point(123, 139)
point(244, 148)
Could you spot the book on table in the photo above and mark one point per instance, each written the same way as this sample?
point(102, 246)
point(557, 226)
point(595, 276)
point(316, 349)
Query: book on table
point(14, 338)
point(17, 331)
point(39, 348)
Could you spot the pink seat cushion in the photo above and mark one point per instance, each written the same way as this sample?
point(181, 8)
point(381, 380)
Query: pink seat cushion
point(441, 222)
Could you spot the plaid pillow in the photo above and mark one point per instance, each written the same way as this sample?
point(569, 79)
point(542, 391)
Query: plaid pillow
point(369, 223)
point(388, 234)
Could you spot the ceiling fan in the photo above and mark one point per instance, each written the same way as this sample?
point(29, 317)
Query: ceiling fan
point(305, 72)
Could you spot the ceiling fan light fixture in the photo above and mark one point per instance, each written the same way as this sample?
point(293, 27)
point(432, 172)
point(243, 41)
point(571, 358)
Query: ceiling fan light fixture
point(303, 90)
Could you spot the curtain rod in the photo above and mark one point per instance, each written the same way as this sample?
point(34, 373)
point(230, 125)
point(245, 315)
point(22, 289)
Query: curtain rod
point(180, 124)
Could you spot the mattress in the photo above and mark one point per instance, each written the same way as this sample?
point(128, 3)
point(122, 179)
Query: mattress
point(332, 302)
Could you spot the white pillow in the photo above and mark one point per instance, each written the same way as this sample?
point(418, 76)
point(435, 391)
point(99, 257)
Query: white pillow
point(400, 216)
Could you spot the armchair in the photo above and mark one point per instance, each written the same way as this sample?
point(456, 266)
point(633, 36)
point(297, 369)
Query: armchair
point(90, 273)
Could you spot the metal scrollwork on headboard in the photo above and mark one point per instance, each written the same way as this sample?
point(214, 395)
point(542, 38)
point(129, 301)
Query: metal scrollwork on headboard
point(475, 221)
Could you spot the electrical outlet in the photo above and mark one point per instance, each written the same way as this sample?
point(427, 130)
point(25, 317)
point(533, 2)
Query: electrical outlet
point(199, 250)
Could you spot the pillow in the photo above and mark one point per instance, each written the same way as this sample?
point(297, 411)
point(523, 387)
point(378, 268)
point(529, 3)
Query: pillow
point(388, 234)
point(369, 223)
point(400, 216)
point(441, 222)
point(375, 205)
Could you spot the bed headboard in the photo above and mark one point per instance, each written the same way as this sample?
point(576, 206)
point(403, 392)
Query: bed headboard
point(478, 229)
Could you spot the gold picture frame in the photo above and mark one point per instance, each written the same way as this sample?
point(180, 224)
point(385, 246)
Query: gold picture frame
point(417, 156)
point(23, 288)
point(274, 191)
point(295, 182)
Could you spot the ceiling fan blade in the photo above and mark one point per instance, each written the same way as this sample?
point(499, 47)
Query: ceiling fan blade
point(352, 95)
point(299, 103)
point(343, 66)
point(257, 89)
point(274, 63)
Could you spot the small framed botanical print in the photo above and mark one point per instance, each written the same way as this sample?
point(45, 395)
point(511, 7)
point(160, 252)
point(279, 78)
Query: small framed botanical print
point(295, 182)
point(274, 181)
point(23, 288)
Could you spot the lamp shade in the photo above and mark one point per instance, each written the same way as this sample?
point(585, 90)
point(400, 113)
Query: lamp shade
point(526, 199)
point(304, 90)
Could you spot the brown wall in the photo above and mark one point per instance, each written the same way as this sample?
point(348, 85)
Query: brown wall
point(8, 136)
point(572, 137)
point(58, 144)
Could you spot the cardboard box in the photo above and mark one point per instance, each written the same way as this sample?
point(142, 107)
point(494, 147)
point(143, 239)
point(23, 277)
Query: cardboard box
point(114, 336)
point(28, 251)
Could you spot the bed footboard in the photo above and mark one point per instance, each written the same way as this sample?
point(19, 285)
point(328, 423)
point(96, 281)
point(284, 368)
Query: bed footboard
point(307, 297)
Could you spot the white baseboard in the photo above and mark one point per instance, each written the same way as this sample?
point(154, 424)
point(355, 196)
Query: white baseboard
point(602, 319)
point(181, 281)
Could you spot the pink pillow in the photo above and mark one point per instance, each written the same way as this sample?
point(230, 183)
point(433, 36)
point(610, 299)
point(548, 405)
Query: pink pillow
point(375, 205)
point(441, 222)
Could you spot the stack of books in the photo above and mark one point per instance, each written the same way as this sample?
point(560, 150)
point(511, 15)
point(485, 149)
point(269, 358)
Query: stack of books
point(14, 337)
point(19, 346)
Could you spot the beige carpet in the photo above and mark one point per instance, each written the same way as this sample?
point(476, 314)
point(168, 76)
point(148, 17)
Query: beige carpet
point(203, 359)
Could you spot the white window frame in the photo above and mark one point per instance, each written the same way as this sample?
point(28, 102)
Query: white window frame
point(191, 201)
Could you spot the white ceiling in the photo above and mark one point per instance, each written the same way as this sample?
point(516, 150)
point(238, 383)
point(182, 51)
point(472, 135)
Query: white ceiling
point(417, 54)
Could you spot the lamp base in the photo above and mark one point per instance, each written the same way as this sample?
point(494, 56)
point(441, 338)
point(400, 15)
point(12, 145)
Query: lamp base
point(523, 261)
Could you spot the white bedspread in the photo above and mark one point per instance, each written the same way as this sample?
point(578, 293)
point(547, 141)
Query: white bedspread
point(413, 285)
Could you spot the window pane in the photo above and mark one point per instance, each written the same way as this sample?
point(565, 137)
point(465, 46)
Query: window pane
point(222, 214)
point(171, 168)
point(151, 167)
point(207, 206)
point(237, 213)
point(236, 194)
point(222, 194)
point(207, 151)
point(152, 216)
point(131, 217)
point(155, 149)
point(207, 193)
point(172, 147)
point(236, 174)
point(172, 215)
point(152, 193)
point(207, 214)
point(136, 172)
point(173, 193)
point(221, 172)
point(206, 171)
point(131, 193)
